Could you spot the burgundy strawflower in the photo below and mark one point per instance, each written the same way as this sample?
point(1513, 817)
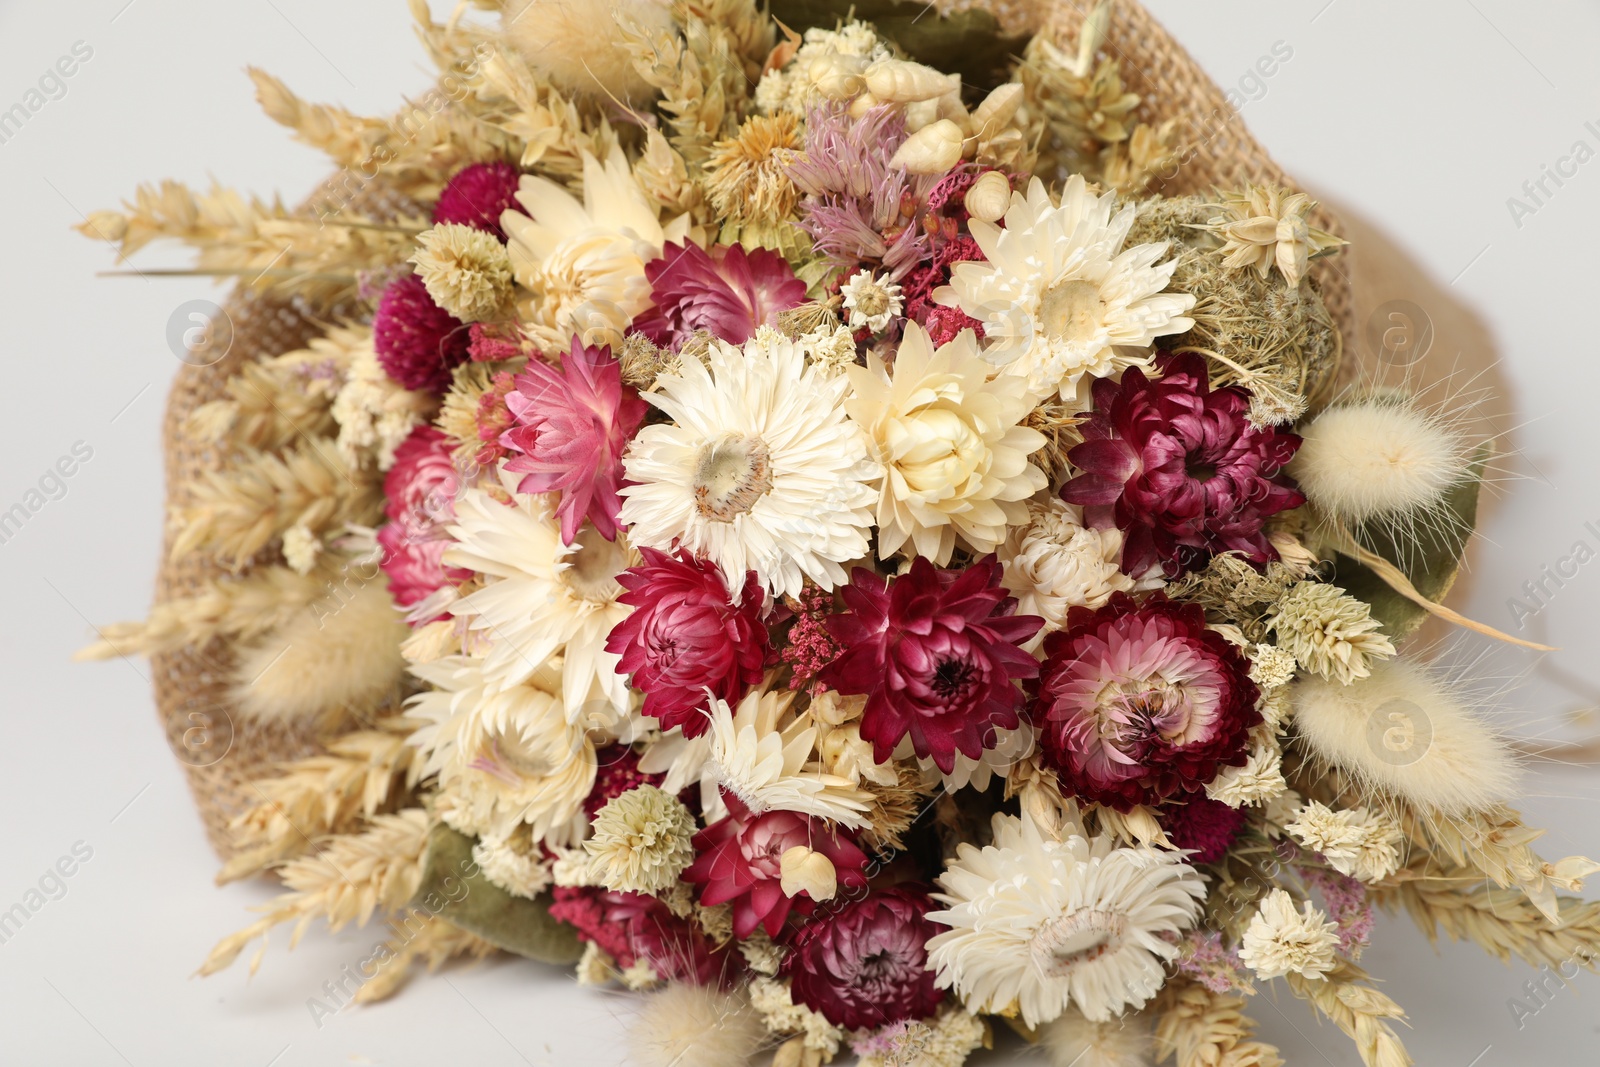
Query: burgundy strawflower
point(935, 651)
point(1207, 826)
point(418, 342)
point(478, 195)
point(739, 860)
point(686, 637)
point(573, 423)
point(864, 964)
point(1141, 702)
point(1179, 469)
point(618, 771)
point(630, 927)
point(728, 291)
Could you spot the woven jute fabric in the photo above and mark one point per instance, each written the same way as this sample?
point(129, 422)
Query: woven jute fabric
point(223, 752)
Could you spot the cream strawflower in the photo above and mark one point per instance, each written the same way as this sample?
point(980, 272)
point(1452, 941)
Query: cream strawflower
point(872, 303)
point(584, 262)
point(955, 461)
point(542, 598)
point(641, 841)
point(1059, 297)
point(1038, 924)
point(763, 754)
point(1280, 940)
point(504, 756)
point(759, 470)
point(1054, 562)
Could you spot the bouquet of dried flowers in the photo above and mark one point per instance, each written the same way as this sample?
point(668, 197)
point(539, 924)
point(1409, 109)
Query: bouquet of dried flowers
point(780, 513)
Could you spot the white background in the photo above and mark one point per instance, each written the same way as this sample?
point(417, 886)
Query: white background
point(1425, 117)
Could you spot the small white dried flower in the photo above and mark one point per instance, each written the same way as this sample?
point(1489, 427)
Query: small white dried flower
point(760, 952)
point(872, 303)
point(595, 966)
point(831, 349)
point(1328, 631)
point(467, 271)
point(509, 865)
point(1260, 779)
point(1280, 940)
point(1263, 226)
point(641, 841)
point(1271, 666)
point(301, 548)
point(771, 998)
point(1357, 842)
point(570, 868)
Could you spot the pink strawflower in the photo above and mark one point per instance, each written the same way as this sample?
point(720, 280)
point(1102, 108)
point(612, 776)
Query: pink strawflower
point(493, 418)
point(685, 640)
point(936, 652)
point(740, 858)
point(419, 493)
point(418, 342)
point(1205, 826)
point(572, 425)
point(1179, 469)
point(864, 963)
point(1141, 702)
point(478, 195)
point(728, 291)
point(630, 927)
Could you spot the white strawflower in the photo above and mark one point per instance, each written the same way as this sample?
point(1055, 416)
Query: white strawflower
point(1037, 924)
point(466, 270)
point(640, 841)
point(759, 470)
point(872, 302)
point(1363, 844)
point(583, 263)
point(1058, 295)
point(762, 753)
point(1280, 940)
point(1257, 782)
point(542, 599)
point(1054, 562)
point(955, 461)
point(504, 756)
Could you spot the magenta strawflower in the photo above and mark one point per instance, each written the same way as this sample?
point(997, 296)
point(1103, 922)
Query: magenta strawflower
point(740, 861)
point(686, 641)
point(572, 424)
point(728, 291)
point(1141, 702)
point(630, 927)
point(864, 964)
point(478, 195)
point(936, 653)
point(1178, 468)
point(418, 342)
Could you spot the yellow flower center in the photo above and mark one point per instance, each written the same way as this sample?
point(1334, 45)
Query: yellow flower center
point(730, 475)
point(1070, 310)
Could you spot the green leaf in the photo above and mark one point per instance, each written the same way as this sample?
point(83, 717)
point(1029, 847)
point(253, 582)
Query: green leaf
point(968, 42)
point(1431, 565)
point(454, 888)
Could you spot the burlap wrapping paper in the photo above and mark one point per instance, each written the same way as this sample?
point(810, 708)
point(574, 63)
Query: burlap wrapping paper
point(223, 752)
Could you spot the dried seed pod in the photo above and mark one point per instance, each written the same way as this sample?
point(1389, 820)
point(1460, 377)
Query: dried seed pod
point(862, 104)
point(997, 109)
point(988, 197)
point(837, 77)
point(933, 149)
point(901, 81)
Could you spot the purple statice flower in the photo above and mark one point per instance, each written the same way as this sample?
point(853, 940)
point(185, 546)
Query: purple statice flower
point(856, 204)
point(1348, 906)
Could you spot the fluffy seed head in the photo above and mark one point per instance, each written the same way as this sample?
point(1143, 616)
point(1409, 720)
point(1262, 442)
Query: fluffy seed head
point(1073, 1041)
point(582, 46)
point(689, 1024)
point(1400, 733)
point(1382, 458)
